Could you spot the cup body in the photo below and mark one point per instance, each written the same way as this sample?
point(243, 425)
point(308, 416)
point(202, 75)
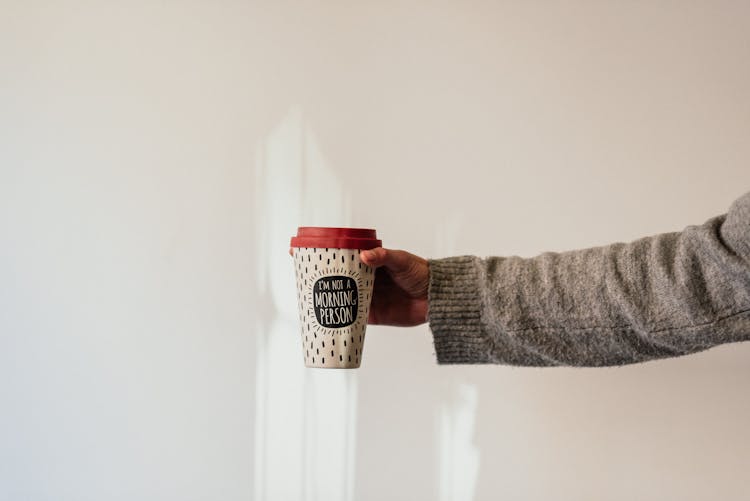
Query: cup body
point(334, 290)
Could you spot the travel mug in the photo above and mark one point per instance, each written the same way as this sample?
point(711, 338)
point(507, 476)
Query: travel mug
point(334, 290)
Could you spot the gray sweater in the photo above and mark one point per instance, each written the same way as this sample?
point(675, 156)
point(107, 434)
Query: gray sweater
point(661, 296)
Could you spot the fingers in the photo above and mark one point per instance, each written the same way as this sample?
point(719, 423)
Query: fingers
point(395, 260)
point(374, 257)
point(291, 252)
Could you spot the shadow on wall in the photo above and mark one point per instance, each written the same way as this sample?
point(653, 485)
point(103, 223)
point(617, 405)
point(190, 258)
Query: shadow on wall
point(459, 456)
point(306, 421)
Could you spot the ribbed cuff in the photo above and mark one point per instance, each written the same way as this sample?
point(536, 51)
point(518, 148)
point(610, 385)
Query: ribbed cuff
point(454, 311)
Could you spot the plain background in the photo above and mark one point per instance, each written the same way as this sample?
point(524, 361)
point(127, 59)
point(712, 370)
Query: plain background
point(155, 158)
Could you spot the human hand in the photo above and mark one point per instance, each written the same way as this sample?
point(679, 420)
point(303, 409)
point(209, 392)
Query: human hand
point(399, 296)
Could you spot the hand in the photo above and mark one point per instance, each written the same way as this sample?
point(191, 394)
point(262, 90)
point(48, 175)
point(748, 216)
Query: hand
point(400, 293)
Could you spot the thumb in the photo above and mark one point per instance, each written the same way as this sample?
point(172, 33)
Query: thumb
point(394, 260)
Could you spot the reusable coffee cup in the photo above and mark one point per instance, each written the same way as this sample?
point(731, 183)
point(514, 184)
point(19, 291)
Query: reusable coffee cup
point(334, 290)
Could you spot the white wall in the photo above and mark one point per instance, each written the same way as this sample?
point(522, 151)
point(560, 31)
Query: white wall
point(155, 158)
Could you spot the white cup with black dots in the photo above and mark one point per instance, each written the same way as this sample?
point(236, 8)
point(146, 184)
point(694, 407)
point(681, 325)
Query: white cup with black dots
point(334, 291)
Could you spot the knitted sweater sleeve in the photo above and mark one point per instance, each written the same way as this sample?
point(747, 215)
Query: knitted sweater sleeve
point(661, 296)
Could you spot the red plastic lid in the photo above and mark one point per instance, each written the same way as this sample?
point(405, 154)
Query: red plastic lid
point(336, 238)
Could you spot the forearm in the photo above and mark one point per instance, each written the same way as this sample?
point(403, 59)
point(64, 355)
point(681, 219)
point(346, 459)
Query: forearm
point(666, 295)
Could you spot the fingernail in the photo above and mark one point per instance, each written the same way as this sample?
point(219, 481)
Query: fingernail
point(369, 254)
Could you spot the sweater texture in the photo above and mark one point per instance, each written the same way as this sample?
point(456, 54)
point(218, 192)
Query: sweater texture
point(661, 296)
